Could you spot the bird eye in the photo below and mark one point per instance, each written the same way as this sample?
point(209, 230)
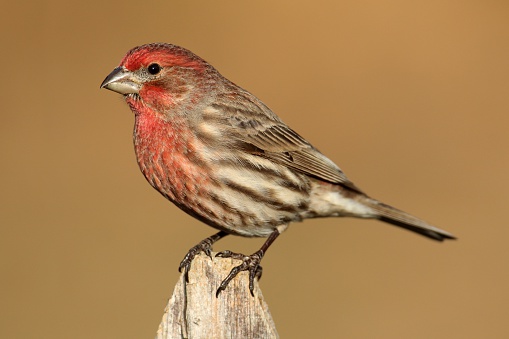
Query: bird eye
point(154, 69)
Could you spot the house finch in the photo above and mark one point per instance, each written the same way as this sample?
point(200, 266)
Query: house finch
point(222, 156)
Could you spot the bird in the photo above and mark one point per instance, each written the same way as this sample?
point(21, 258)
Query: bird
point(221, 155)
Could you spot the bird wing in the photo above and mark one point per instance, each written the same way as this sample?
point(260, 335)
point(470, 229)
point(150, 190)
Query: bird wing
point(258, 126)
point(284, 146)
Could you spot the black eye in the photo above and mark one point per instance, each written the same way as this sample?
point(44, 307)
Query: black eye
point(154, 69)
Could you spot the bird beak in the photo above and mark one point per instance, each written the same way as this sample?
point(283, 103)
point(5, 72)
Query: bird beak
point(121, 81)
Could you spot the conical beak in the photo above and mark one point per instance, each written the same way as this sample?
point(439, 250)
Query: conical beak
point(121, 81)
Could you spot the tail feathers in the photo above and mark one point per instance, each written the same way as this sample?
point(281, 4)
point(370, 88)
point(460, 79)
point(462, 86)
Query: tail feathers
point(402, 219)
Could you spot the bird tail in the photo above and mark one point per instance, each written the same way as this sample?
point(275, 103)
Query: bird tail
point(402, 219)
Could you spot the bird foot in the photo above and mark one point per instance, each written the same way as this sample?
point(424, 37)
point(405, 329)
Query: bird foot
point(204, 246)
point(250, 263)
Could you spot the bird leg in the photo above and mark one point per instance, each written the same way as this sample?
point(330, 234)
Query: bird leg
point(250, 263)
point(204, 246)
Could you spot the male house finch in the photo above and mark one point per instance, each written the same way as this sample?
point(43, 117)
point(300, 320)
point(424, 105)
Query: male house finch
point(222, 156)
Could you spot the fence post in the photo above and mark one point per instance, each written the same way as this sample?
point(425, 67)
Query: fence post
point(194, 312)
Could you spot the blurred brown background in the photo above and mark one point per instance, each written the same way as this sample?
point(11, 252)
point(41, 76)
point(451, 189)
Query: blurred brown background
point(410, 99)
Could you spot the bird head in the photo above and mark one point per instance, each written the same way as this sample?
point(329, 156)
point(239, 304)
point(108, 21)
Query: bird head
point(160, 75)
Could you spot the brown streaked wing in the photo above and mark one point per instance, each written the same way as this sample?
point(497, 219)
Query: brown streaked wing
point(257, 125)
point(283, 145)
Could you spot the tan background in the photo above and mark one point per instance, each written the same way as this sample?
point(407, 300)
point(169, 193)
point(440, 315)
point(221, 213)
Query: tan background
point(411, 101)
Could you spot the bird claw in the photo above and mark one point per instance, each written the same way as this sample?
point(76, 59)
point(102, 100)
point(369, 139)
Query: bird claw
point(204, 246)
point(230, 254)
point(250, 263)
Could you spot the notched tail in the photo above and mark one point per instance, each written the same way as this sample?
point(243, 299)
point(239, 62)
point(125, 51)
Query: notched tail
point(402, 219)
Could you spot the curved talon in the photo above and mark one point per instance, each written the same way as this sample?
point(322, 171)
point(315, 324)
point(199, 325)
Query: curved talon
point(230, 254)
point(204, 246)
point(249, 263)
point(186, 262)
point(252, 274)
point(259, 271)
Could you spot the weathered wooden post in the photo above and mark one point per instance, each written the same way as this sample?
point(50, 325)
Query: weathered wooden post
point(194, 312)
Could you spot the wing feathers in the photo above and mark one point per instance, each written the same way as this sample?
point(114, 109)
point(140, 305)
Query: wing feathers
point(255, 124)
